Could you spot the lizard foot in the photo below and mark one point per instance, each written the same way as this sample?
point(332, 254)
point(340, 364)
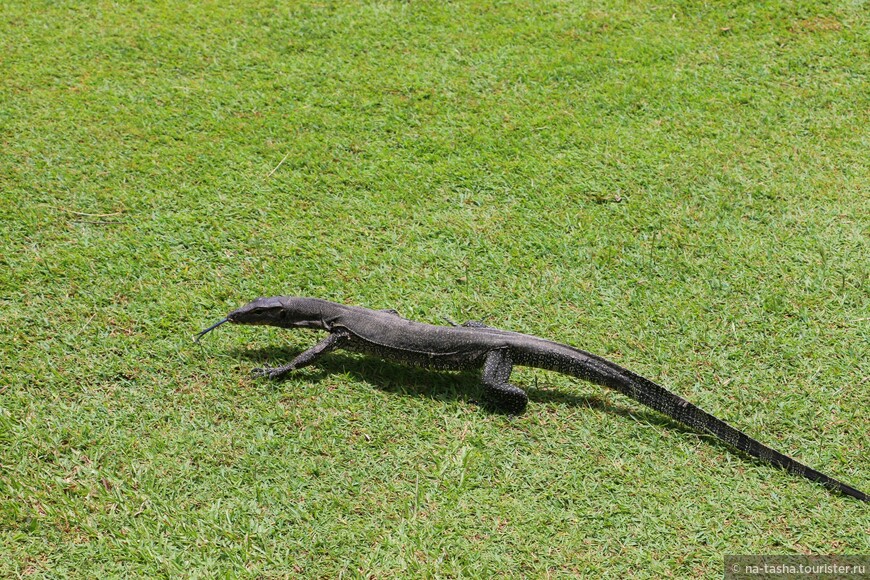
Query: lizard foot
point(506, 399)
point(267, 373)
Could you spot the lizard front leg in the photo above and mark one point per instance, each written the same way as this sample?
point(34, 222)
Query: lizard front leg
point(498, 392)
point(328, 344)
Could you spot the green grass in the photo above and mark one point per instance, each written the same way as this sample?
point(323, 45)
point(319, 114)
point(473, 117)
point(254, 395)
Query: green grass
point(681, 187)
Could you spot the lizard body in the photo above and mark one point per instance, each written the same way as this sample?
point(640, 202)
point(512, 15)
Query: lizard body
point(385, 334)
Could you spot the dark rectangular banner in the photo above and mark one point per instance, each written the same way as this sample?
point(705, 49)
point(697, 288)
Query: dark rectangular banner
point(793, 567)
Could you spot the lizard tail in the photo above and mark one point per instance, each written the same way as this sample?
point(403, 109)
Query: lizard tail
point(643, 390)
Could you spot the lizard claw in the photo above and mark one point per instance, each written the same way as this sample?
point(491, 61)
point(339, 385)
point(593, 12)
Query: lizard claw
point(266, 373)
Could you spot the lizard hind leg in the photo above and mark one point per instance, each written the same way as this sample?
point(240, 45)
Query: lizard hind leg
point(498, 392)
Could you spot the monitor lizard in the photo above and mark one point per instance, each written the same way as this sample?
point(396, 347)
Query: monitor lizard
point(473, 345)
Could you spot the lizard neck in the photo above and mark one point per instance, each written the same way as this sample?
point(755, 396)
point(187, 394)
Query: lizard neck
point(314, 313)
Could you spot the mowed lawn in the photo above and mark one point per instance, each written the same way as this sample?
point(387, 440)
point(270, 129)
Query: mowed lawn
point(682, 187)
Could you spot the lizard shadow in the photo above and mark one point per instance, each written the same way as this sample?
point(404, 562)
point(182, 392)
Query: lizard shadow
point(438, 385)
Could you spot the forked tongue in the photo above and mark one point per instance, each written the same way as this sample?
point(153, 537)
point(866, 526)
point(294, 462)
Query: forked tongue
point(209, 329)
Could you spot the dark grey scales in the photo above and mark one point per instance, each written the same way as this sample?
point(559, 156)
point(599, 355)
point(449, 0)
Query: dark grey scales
point(472, 345)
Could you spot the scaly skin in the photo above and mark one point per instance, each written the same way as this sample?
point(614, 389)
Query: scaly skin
point(385, 334)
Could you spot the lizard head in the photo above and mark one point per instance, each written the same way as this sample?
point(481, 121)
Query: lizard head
point(265, 311)
point(283, 311)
